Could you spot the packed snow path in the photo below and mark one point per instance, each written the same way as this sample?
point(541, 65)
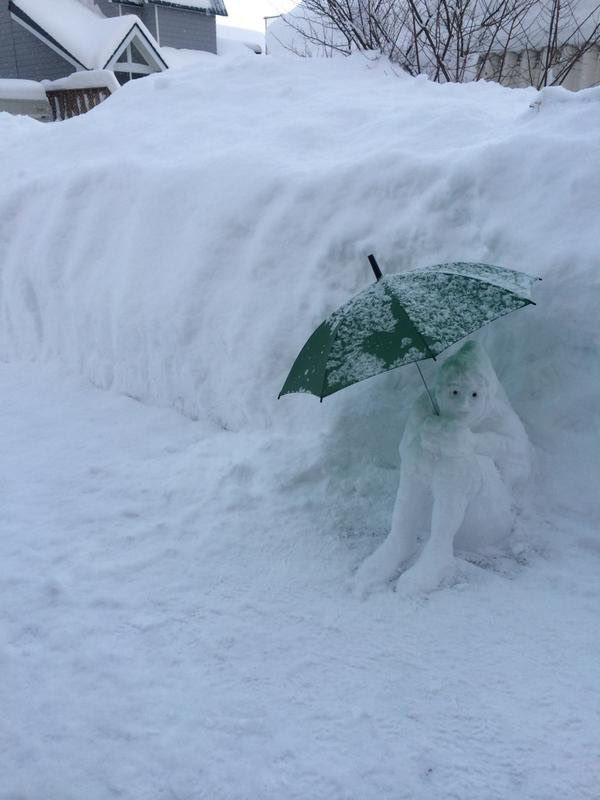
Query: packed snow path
point(172, 629)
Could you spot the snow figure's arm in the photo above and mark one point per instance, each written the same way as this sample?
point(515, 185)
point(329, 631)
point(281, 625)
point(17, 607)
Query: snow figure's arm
point(412, 430)
point(506, 442)
point(491, 444)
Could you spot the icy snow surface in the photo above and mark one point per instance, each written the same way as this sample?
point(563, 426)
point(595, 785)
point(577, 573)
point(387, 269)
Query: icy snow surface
point(177, 621)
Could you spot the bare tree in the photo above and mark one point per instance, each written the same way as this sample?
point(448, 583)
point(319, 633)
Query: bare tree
point(511, 41)
point(568, 37)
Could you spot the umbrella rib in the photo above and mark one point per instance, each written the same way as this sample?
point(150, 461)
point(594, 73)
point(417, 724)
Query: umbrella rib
point(488, 322)
point(526, 301)
point(412, 323)
point(331, 335)
point(422, 337)
point(488, 283)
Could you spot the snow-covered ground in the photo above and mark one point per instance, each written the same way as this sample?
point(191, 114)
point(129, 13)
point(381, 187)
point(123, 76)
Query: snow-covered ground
point(173, 627)
point(176, 604)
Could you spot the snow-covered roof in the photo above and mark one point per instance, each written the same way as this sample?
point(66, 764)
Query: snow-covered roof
point(87, 79)
point(79, 30)
point(14, 89)
point(208, 6)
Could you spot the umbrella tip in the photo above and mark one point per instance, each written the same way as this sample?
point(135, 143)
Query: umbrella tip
point(374, 266)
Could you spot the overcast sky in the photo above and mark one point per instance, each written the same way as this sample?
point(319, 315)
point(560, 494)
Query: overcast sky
point(250, 13)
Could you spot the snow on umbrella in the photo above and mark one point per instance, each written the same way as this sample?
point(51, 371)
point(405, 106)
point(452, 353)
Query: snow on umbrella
point(404, 318)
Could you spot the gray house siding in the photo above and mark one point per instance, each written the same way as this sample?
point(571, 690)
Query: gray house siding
point(186, 29)
point(23, 56)
point(107, 8)
point(8, 64)
point(112, 9)
point(149, 19)
point(176, 27)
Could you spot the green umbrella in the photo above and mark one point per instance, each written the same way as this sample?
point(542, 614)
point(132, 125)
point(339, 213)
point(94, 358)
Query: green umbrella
point(404, 318)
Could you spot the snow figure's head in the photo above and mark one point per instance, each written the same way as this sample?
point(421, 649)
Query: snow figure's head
point(466, 384)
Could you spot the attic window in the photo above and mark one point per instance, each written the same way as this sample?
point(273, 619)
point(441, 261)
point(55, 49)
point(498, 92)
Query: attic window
point(136, 55)
point(132, 62)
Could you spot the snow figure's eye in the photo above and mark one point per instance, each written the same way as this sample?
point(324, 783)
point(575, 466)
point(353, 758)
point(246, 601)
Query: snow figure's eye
point(474, 394)
point(455, 391)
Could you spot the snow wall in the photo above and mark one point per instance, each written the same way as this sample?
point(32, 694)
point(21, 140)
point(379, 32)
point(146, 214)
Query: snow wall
point(180, 242)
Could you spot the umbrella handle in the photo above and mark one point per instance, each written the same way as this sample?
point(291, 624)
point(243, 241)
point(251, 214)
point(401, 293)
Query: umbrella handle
point(375, 267)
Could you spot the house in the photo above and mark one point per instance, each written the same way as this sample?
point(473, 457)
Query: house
point(567, 66)
point(49, 39)
point(549, 42)
point(185, 24)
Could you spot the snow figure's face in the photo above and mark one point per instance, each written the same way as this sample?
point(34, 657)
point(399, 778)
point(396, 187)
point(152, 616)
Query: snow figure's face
point(462, 396)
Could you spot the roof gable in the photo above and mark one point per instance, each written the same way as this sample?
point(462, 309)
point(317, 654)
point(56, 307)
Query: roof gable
point(80, 32)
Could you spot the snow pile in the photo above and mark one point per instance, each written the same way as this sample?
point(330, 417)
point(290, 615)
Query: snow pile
point(180, 586)
point(229, 36)
point(241, 43)
point(551, 95)
point(243, 230)
point(305, 33)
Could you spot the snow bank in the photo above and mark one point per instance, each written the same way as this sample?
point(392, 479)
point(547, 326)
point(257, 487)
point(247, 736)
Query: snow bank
point(553, 95)
point(186, 261)
point(226, 46)
point(229, 36)
point(302, 32)
point(180, 587)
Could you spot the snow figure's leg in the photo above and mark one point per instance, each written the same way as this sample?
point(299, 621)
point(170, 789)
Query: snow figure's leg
point(455, 483)
point(410, 518)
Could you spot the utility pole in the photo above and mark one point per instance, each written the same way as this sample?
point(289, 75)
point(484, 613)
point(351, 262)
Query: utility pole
point(273, 16)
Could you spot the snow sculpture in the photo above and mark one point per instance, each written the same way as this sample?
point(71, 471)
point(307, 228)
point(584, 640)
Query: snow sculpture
point(458, 475)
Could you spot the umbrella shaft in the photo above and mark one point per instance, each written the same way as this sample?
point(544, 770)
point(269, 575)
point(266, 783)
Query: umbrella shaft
point(434, 405)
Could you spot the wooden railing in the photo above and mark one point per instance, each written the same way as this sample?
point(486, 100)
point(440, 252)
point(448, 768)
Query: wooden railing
point(67, 103)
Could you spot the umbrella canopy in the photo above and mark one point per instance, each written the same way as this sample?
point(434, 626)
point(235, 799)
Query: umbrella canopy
point(404, 318)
